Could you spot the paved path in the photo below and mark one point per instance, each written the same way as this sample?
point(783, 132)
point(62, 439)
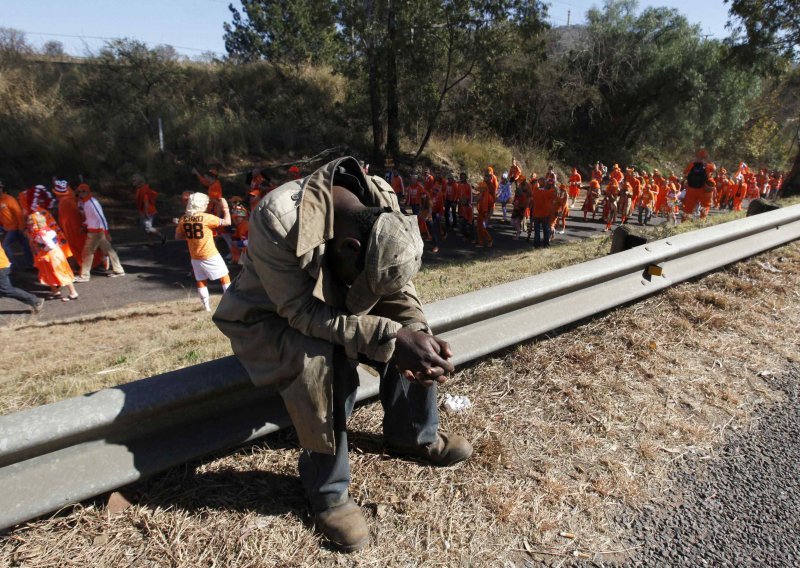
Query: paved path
point(739, 510)
point(158, 274)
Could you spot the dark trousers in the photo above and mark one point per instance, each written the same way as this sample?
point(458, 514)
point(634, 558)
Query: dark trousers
point(434, 228)
point(450, 213)
point(541, 224)
point(410, 418)
point(8, 290)
point(18, 237)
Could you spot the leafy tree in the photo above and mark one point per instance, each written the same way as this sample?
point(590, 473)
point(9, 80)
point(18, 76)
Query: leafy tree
point(53, 48)
point(288, 31)
point(768, 29)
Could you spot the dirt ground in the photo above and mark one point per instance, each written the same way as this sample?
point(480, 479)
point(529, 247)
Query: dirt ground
point(568, 430)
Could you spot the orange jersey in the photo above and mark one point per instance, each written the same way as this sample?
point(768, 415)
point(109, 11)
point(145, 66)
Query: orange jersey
point(4, 263)
point(11, 217)
point(414, 193)
point(146, 200)
point(214, 187)
point(542, 202)
point(199, 233)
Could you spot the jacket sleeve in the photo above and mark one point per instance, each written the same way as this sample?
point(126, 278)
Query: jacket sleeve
point(403, 307)
point(291, 288)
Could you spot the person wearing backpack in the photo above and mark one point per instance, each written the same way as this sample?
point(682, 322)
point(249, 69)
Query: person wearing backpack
point(698, 191)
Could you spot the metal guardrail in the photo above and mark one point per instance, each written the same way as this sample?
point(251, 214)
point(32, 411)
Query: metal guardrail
point(62, 453)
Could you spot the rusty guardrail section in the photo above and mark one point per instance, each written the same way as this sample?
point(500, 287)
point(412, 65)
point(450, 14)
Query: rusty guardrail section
point(62, 453)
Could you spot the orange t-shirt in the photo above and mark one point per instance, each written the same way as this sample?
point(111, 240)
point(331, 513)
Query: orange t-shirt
point(145, 193)
point(11, 217)
point(198, 230)
point(542, 202)
point(4, 263)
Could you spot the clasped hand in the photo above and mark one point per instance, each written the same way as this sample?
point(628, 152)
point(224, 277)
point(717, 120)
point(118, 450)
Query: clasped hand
point(422, 358)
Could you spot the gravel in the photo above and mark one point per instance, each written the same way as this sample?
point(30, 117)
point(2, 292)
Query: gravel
point(741, 509)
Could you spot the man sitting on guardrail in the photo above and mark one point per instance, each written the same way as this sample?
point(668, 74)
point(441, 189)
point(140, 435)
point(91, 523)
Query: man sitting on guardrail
point(327, 282)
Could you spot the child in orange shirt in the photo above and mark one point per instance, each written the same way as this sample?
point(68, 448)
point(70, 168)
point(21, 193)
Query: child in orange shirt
point(49, 259)
point(196, 228)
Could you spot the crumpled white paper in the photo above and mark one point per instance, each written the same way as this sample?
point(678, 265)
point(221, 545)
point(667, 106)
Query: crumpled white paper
point(456, 403)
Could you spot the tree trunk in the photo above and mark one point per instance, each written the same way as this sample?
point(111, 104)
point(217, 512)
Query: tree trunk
point(791, 185)
point(392, 104)
point(374, 91)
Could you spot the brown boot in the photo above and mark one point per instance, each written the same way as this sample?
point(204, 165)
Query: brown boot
point(344, 526)
point(447, 450)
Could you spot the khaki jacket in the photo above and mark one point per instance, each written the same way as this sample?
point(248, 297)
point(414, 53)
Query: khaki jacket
point(285, 313)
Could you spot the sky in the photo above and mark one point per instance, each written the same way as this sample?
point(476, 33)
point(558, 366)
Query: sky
point(195, 26)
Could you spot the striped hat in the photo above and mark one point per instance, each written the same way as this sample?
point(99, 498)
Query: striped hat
point(60, 187)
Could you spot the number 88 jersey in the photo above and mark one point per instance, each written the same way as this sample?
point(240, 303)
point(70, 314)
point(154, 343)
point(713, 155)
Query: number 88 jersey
point(198, 230)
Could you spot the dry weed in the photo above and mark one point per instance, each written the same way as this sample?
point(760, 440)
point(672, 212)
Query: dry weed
point(568, 431)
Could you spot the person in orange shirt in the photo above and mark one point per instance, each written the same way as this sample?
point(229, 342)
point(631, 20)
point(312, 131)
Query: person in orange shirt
point(514, 172)
point(196, 228)
point(431, 211)
point(616, 174)
point(146, 206)
point(241, 229)
point(647, 201)
point(414, 193)
point(739, 192)
point(597, 173)
point(451, 202)
point(541, 210)
point(12, 219)
point(592, 195)
point(698, 192)
point(485, 203)
point(399, 188)
point(8, 290)
point(625, 203)
point(560, 202)
point(465, 212)
point(493, 184)
point(211, 182)
point(610, 203)
point(520, 204)
point(54, 270)
point(574, 186)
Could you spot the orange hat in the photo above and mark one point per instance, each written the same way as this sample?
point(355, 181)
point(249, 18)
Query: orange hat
point(490, 169)
point(84, 187)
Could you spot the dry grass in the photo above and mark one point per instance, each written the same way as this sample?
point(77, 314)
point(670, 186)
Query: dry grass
point(48, 362)
point(157, 338)
point(568, 430)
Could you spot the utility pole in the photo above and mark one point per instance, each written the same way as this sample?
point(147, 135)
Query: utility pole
point(569, 13)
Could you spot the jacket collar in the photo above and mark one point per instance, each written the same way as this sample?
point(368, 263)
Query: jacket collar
point(315, 219)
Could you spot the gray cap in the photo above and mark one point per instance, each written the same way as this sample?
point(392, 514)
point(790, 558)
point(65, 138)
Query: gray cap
point(393, 257)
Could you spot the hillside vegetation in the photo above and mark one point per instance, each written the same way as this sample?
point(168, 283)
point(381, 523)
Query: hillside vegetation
point(422, 83)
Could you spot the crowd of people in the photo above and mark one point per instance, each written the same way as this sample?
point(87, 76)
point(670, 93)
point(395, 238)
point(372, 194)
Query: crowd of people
point(541, 205)
point(58, 232)
point(63, 233)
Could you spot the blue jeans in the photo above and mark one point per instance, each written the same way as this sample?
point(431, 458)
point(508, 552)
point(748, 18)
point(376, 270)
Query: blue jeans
point(541, 224)
point(7, 289)
point(434, 228)
point(410, 417)
point(19, 237)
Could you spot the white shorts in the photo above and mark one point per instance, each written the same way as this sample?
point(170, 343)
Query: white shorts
point(209, 269)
